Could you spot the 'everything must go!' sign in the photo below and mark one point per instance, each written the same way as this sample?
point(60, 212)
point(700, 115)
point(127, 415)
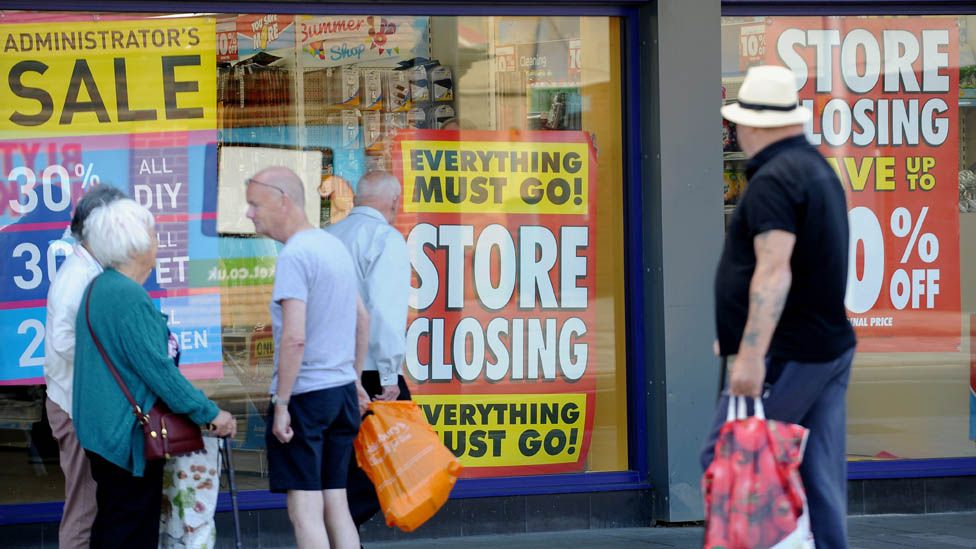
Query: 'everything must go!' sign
point(502, 237)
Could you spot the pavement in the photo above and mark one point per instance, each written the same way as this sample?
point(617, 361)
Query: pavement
point(930, 531)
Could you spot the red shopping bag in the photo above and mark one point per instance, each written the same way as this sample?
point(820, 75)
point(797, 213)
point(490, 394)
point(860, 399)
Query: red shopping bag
point(754, 496)
point(413, 472)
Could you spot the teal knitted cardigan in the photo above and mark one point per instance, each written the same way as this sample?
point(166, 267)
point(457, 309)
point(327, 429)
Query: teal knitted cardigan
point(135, 337)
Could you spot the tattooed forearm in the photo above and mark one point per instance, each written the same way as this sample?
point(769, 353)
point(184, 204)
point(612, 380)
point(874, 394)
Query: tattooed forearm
point(768, 290)
point(766, 303)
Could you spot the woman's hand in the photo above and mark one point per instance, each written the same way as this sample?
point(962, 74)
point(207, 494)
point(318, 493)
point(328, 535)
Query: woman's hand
point(224, 425)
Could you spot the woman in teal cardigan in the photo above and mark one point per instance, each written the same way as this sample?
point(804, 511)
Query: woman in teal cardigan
point(122, 238)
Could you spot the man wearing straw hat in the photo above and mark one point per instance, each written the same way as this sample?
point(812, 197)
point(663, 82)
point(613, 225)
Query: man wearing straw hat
point(779, 291)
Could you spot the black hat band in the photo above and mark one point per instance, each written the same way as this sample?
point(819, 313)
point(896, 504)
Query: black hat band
point(759, 107)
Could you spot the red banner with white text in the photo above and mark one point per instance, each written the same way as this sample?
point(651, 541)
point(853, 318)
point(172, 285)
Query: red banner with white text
point(885, 98)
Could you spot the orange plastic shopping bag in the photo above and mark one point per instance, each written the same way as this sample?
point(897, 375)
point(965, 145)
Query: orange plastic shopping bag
point(413, 472)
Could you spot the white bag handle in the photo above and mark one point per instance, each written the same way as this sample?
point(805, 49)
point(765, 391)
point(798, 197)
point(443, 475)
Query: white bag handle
point(737, 408)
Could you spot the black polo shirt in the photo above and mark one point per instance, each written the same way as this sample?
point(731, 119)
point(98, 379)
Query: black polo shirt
point(791, 188)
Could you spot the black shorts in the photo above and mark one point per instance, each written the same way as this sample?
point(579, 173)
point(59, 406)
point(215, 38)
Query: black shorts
point(325, 423)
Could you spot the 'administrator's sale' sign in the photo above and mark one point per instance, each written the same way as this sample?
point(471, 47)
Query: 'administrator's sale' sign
point(501, 231)
point(118, 101)
point(885, 98)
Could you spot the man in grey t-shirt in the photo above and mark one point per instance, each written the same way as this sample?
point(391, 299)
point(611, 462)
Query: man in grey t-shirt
point(321, 332)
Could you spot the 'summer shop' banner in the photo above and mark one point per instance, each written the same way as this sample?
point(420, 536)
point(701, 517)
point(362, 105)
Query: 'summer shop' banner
point(885, 98)
point(332, 41)
point(123, 102)
point(501, 232)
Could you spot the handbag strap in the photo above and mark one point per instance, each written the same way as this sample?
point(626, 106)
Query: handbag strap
point(108, 362)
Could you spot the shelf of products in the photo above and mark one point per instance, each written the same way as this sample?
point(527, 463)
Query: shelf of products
point(733, 159)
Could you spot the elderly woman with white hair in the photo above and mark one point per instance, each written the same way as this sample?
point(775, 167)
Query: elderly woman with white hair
point(122, 238)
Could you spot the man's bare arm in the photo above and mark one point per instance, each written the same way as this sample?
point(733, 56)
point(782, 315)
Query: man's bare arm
point(289, 364)
point(768, 290)
point(292, 345)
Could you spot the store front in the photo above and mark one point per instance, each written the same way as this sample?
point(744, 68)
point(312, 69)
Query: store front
point(511, 153)
point(561, 203)
point(892, 91)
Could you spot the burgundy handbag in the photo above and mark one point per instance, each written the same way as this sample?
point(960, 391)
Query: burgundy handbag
point(167, 434)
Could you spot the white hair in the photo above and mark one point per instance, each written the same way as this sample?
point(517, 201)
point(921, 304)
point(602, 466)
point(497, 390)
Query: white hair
point(376, 185)
point(119, 232)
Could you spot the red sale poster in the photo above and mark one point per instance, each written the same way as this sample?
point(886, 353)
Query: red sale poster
point(884, 93)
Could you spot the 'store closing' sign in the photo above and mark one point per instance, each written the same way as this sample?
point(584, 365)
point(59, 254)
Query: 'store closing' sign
point(885, 98)
point(500, 338)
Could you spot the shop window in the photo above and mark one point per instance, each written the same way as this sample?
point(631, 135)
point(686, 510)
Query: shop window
point(894, 102)
point(505, 131)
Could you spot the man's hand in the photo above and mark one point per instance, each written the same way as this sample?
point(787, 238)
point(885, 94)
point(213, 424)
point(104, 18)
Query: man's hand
point(282, 424)
point(363, 397)
point(747, 376)
point(390, 393)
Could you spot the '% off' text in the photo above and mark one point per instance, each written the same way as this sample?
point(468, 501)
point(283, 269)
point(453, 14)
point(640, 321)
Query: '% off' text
point(907, 287)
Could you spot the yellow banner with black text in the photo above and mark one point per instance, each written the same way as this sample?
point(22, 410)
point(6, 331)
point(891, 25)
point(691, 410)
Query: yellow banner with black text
point(107, 77)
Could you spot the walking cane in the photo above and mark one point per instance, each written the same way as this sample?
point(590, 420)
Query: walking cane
point(232, 484)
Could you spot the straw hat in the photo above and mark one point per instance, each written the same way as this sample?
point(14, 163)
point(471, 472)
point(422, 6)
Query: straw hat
point(767, 99)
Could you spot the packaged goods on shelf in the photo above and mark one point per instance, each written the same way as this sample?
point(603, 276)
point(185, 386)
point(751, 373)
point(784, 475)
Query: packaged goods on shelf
point(372, 130)
point(442, 83)
point(417, 118)
point(397, 91)
point(439, 115)
point(393, 122)
point(419, 84)
point(344, 86)
point(733, 183)
point(555, 117)
point(372, 89)
point(350, 129)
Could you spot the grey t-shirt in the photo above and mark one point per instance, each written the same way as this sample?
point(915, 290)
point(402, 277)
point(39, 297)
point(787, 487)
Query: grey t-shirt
point(315, 267)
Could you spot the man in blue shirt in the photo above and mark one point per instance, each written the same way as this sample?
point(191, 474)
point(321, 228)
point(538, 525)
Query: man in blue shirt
point(379, 253)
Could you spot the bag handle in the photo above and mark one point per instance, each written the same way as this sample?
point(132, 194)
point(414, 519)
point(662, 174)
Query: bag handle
point(737, 408)
point(142, 418)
